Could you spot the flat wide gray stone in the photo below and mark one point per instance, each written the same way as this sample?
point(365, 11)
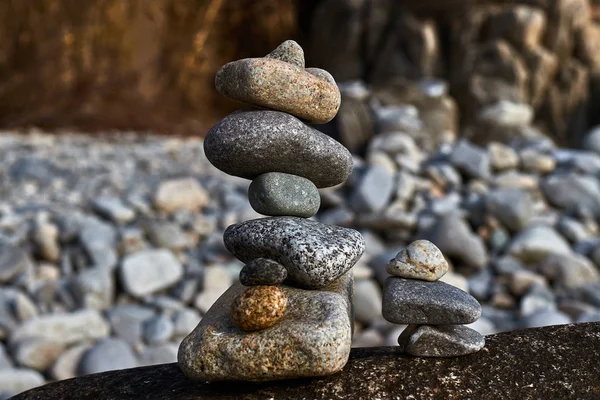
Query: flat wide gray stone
point(407, 301)
point(313, 253)
point(250, 143)
point(440, 341)
point(312, 339)
point(558, 362)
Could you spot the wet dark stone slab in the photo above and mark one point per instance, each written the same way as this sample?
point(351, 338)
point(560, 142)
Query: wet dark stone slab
point(559, 362)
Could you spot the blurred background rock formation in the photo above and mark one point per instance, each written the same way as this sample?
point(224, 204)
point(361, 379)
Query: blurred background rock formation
point(150, 65)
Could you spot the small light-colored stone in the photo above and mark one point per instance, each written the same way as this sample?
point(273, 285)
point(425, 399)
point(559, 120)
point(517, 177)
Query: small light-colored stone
point(147, 271)
point(420, 260)
point(66, 364)
point(502, 157)
point(181, 194)
point(259, 307)
point(18, 380)
point(36, 353)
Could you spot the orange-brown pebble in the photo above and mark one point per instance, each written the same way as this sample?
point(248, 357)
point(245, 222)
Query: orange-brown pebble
point(258, 307)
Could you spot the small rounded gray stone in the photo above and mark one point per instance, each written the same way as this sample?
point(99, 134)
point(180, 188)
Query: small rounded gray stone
point(440, 341)
point(262, 271)
point(277, 194)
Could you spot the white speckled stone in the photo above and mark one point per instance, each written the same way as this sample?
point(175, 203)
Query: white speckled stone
point(313, 253)
point(420, 260)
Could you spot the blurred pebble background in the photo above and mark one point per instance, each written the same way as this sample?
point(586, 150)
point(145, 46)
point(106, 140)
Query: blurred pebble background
point(473, 124)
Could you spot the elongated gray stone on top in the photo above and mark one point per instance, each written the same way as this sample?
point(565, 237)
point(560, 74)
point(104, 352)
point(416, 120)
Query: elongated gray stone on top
point(276, 194)
point(408, 301)
point(313, 253)
point(440, 341)
point(250, 143)
point(312, 339)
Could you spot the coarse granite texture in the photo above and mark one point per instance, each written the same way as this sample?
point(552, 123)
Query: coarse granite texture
point(279, 85)
point(262, 271)
point(278, 194)
point(408, 301)
point(420, 260)
point(290, 52)
point(314, 254)
point(250, 143)
point(312, 339)
point(555, 362)
point(440, 341)
point(258, 307)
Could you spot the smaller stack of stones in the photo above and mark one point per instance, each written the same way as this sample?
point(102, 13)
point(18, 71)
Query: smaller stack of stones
point(434, 311)
point(290, 316)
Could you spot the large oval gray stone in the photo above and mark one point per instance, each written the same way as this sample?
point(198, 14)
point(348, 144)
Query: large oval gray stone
point(313, 253)
point(276, 194)
point(250, 143)
point(408, 301)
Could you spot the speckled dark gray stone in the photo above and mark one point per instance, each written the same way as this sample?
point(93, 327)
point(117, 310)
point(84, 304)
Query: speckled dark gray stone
point(276, 194)
point(250, 143)
point(313, 253)
point(555, 362)
point(440, 341)
point(262, 271)
point(312, 339)
point(407, 301)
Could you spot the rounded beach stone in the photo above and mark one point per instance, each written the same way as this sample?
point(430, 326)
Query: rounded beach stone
point(290, 52)
point(276, 193)
point(440, 341)
point(262, 271)
point(250, 143)
point(280, 85)
point(408, 301)
point(420, 260)
point(259, 307)
point(314, 254)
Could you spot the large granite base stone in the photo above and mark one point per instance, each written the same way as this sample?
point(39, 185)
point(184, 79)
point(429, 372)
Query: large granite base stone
point(313, 338)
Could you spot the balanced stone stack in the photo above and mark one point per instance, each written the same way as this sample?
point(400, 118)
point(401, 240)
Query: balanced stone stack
point(291, 314)
point(434, 311)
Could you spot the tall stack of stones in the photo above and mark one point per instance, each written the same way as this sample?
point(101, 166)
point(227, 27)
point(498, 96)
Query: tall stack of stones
point(434, 311)
point(290, 315)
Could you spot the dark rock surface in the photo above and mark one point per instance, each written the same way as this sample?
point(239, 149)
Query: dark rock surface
point(558, 362)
